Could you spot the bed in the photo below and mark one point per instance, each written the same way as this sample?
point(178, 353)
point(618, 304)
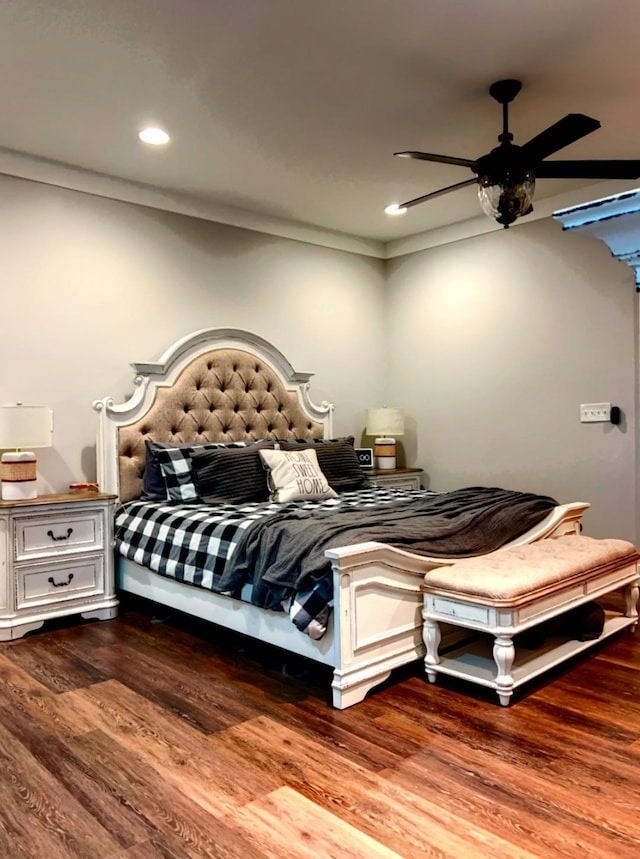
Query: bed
point(231, 387)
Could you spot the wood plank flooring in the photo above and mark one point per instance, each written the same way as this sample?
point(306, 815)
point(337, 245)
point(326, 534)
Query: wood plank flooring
point(133, 739)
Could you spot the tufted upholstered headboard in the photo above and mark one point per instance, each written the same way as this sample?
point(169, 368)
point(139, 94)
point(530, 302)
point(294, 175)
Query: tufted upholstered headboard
point(215, 385)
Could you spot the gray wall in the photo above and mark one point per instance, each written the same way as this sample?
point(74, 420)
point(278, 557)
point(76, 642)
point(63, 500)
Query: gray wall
point(494, 343)
point(490, 344)
point(90, 284)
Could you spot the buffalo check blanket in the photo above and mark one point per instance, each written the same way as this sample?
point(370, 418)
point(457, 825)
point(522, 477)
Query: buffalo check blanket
point(279, 549)
point(195, 542)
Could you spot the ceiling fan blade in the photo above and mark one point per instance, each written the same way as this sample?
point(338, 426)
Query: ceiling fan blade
point(603, 169)
point(560, 134)
point(435, 194)
point(442, 159)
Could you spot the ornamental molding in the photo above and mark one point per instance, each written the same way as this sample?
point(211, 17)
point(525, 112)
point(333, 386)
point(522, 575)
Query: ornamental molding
point(614, 220)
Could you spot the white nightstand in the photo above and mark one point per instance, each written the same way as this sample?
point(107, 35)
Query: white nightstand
point(404, 478)
point(56, 559)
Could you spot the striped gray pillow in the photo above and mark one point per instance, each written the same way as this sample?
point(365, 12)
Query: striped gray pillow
point(231, 475)
point(337, 459)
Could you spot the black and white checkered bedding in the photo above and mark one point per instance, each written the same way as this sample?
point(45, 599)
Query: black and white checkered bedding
point(192, 542)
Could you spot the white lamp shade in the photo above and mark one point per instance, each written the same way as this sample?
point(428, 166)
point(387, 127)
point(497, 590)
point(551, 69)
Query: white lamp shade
point(25, 427)
point(385, 422)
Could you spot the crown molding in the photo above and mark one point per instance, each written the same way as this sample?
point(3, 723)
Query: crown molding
point(49, 172)
point(615, 220)
point(97, 184)
point(481, 225)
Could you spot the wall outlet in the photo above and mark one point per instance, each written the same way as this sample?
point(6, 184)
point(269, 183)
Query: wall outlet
point(594, 412)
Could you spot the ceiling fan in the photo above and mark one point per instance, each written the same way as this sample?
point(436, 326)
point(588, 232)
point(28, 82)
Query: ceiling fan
point(506, 176)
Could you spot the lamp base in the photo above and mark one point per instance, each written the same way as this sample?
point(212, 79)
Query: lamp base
point(18, 471)
point(385, 451)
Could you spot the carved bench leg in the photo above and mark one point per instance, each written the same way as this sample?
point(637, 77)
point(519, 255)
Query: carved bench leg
point(631, 594)
point(431, 637)
point(503, 654)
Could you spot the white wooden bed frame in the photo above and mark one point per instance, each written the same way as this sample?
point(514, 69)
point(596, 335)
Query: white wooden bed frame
point(376, 624)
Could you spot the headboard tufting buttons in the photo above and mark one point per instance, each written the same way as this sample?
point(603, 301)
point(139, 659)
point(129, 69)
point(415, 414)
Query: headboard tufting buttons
point(249, 402)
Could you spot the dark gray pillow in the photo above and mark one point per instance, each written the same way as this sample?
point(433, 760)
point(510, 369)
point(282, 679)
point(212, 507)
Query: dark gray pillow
point(338, 461)
point(231, 475)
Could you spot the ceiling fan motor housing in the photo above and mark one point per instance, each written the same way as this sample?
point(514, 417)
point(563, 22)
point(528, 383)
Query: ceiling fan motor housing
point(504, 164)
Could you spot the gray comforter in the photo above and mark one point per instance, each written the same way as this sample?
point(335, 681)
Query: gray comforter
point(285, 552)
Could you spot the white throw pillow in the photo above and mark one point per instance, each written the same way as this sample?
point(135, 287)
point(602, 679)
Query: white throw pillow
point(295, 475)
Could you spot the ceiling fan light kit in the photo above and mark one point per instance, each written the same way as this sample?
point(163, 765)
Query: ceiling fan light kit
point(507, 198)
point(506, 176)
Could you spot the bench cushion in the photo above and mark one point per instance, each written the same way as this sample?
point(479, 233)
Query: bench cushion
point(522, 573)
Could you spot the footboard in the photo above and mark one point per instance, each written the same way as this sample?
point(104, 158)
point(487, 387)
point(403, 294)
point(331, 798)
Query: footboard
point(377, 616)
point(378, 605)
point(562, 520)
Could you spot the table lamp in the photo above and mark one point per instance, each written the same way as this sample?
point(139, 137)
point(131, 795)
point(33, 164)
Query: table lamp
point(385, 423)
point(22, 428)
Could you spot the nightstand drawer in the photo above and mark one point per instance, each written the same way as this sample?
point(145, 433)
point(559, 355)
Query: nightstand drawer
point(401, 481)
point(50, 535)
point(397, 479)
point(40, 585)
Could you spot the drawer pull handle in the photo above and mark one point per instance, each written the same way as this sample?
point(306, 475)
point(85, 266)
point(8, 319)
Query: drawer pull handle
point(60, 584)
point(62, 536)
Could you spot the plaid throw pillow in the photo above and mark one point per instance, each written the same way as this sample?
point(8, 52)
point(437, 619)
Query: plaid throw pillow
point(154, 487)
point(175, 463)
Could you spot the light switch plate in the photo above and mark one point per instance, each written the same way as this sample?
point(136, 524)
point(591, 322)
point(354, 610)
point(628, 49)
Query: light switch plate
point(595, 412)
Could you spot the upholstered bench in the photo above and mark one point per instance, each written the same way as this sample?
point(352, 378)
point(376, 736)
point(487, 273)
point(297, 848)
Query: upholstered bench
point(514, 590)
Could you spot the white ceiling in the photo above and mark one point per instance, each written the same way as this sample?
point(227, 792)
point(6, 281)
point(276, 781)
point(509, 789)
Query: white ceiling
point(290, 110)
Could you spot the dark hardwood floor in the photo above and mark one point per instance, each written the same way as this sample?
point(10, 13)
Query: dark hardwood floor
point(133, 739)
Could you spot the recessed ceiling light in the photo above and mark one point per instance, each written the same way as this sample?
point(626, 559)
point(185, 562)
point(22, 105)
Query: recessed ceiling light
point(395, 209)
point(155, 136)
